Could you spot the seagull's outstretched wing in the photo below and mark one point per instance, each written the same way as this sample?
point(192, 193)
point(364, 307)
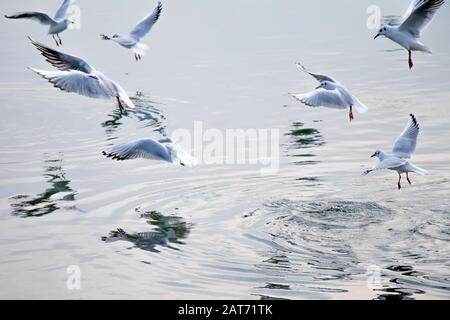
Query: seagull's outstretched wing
point(322, 98)
point(317, 76)
point(63, 11)
point(389, 163)
point(421, 12)
point(142, 148)
point(62, 61)
point(146, 24)
point(406, 144)
point(36, 16)
point(77, 82)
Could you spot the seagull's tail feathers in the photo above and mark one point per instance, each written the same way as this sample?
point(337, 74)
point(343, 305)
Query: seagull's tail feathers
point(140, 48)
point(125, 98)
point(359, 106)
point(416, 169)
point(184, 158)
point(423, 48)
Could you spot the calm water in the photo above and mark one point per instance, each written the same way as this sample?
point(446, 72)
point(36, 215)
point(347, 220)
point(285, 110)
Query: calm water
point(148, 230)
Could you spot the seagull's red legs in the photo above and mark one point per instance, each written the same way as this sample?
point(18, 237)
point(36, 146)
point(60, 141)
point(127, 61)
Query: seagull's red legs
point(410, 62)
point(399, 180)
point(350, 114)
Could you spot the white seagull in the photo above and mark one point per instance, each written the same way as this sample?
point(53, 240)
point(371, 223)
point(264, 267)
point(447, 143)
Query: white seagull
point(399, 159)
point(56, 25)
point(77, 76)
point(162, 150)
point(133, 40)
point(416, 19)
point(330, 94)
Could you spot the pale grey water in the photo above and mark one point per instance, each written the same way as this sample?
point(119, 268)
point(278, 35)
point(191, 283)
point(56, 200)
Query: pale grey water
point(148, 230)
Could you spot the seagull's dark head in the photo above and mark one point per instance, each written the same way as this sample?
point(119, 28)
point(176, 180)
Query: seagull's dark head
point(377, 154)
point(327, 85)
point(382, 32)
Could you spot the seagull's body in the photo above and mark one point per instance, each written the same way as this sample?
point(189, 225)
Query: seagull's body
point(399, 159)
point(56, 25)
point(133, 40)
point(77, 76)
point(161, 150)
point(407, 34)
point(330, 94)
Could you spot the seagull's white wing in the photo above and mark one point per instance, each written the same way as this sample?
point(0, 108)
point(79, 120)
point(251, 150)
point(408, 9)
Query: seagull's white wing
point(406, 144)
point(78, 82)
point(142, 148)
point(36, 16)
point(61, 60)
point(389, 163)
point(322, 98)
point(317, 76)
point(421, 15)
point(63, 11)
point(146, 24)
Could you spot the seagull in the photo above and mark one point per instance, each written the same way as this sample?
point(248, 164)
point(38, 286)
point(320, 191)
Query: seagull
point(331, 94)
point(133, 40)
point(77, 76)
point(416, 19)
point(162, 150)
point(399, 159)
point(57, 25)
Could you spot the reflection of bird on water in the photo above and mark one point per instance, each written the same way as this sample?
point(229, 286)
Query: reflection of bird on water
point(168, 230)
point(50, 200)
point(145, 113)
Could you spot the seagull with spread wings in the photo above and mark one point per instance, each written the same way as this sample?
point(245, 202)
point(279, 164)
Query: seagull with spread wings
point(162, 150)
point(56, 25)
point(418, 16)
point(133, 40)
point(399, 159)
point(77, 76)
point(331, 94)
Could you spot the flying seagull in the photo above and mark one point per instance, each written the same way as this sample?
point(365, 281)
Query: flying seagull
point(399, 159)
point(77, 76)
point(416, 19)
point(133, 40)
point(161, 150)
point(331, 94)
point(56, 25)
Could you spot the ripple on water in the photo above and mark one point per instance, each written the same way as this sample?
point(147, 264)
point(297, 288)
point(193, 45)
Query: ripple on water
point(309, 245)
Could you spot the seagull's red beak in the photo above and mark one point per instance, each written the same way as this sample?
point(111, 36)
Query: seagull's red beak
point(374, 155)
point(376, 36)
point(319, 87)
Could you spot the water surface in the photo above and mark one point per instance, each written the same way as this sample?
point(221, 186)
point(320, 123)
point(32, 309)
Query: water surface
point(147, 230)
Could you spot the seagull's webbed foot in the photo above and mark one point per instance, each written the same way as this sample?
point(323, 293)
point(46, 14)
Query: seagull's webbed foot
point(407, 178)
point(410, 61)
point(350, 114)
